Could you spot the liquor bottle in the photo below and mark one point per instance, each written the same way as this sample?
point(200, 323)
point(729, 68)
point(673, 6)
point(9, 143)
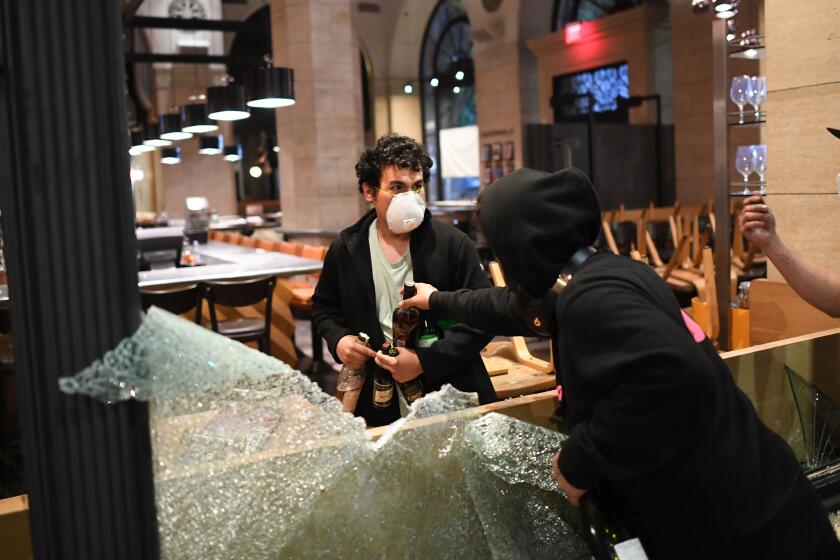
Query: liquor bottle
point(350, 381)
point(607, 537)
point(383, 382)
point(405, 321)
point(428, 335)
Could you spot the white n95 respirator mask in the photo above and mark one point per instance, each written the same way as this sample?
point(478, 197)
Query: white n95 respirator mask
point(405, 212)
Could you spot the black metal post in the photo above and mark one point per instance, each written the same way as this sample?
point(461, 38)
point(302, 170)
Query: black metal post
point(70, 254)
point(723, 236)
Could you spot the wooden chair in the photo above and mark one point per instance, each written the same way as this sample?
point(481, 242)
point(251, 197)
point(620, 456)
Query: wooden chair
point(288, 247)
point(242, 293)
point(513, 369)
point(303, 289)
point(179, 300)
point(249, 241)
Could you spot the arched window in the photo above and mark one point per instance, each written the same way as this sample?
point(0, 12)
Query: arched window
point(447, 91)
point(567, 11)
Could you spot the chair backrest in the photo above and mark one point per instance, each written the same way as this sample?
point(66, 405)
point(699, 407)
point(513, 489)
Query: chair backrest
point(625, 235)
point(248, 241)
point(266, 244)
point(240, 293)
point(177, 301)
point(289, 248)
point(233, 237)
point(314, 252)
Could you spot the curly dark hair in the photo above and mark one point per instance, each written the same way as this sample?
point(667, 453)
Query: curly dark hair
point(392, 149)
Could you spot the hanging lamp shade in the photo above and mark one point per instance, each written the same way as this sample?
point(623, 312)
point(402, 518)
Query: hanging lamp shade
point(233, 153)
point(170, 127)
point(227, 103)
point(170, 155)
point(210, 145)
point(194, 119)
point(137, 145)
point(151, 133)
point(273, 87)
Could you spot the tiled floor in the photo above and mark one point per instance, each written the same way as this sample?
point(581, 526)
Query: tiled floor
point(324, 374)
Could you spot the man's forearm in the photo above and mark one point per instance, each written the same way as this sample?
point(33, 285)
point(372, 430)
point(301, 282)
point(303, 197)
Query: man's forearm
point(817, 285)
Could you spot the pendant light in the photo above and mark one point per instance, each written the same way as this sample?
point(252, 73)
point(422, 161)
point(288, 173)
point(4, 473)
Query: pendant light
point(273, 87)
point(227, 103)
point(194, 119)
point(210, 145)
point(151, 133)
point(137, 145)
point(170, 127)
point(233, 153)
point(170, 155)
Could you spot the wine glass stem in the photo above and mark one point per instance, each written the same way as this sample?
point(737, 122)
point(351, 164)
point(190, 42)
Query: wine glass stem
point(740, 114)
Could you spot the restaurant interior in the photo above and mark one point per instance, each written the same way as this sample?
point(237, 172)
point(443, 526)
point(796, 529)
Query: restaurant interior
point(197, 157)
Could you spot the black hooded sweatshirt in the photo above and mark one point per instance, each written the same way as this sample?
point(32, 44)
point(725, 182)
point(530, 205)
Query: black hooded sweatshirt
point(655, 417)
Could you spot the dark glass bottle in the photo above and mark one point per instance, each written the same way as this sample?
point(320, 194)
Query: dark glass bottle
point(428, 334)
point(606, 535)
point(406, 319)
point(405, 322)
point(383, 382)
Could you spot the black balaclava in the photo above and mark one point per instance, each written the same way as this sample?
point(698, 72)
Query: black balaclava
point(535, 221)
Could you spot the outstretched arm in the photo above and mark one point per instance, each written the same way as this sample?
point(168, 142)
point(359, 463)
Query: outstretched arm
point(817, 285)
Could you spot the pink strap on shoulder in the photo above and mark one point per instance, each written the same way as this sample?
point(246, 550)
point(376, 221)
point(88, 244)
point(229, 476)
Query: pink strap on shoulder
point(693, 328)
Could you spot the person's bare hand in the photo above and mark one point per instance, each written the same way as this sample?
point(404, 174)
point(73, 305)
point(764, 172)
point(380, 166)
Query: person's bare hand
point(574, 494)
point(421, 300)
point(404, 367)
point(353, 353)
point(757, 222)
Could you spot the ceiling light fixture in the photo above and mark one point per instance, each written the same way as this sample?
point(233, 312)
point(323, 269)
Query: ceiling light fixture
point(151, 133)
point(274, 87)
point(408, 88)
point(170, 127)
point(255, 171)
point(434, 82)
point(170, 155)
point(210, 145)
point(459, 75)
point(137, 143)
point(227, 103)
point(233, 153)
point(194, 119)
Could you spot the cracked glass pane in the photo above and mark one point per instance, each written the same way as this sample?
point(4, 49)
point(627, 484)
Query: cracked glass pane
point(252, 460)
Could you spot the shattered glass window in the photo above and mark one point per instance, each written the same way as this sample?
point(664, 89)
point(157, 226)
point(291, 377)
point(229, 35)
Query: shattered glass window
point(252, 460)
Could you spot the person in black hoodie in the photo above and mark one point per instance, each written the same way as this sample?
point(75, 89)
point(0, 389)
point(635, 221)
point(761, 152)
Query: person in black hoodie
point(365, 269)
point(656, 420)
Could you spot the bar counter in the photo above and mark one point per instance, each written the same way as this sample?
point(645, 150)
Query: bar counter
point(225, 261)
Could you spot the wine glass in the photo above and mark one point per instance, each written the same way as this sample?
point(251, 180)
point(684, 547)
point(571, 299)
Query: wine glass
point(759, 161)
point(758, 93)
point(744, 164)
point(738, 94)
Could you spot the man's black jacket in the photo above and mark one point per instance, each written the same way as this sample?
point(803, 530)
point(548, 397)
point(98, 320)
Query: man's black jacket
point(344, 304)
point(656, 416)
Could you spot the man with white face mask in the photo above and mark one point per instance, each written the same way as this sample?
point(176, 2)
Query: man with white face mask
point(364, 271)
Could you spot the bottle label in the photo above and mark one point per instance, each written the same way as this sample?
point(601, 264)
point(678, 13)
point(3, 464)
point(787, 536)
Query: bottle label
point(630, 550)
point(382, 394)
point(412, 391)
point(427, 340)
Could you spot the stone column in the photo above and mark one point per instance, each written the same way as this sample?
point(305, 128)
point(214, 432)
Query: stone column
point(321, 136)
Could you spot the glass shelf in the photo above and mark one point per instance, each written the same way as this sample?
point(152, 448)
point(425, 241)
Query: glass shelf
point(754, 187)
point(749, 52)
point(749, 118)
